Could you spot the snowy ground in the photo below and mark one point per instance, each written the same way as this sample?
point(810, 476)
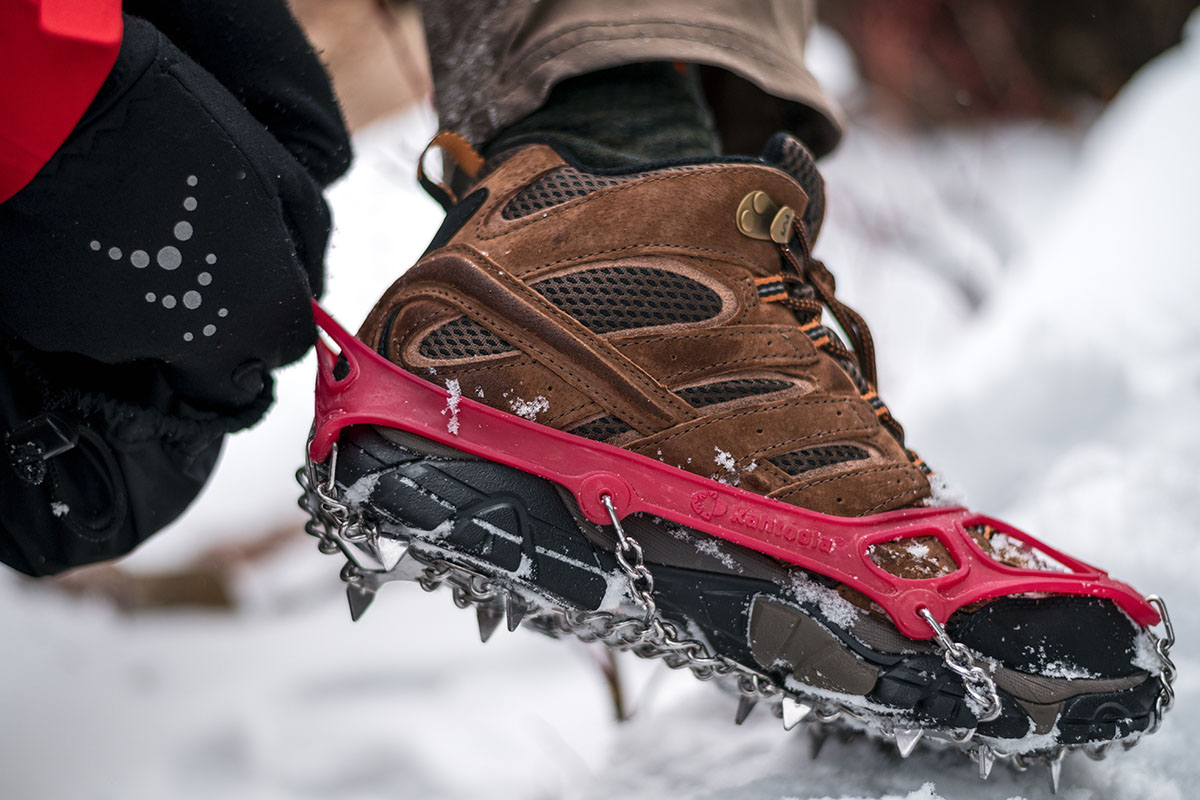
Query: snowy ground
point(1034, 303)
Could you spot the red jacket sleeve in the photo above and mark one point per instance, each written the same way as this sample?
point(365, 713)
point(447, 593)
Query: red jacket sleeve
point(54, 56)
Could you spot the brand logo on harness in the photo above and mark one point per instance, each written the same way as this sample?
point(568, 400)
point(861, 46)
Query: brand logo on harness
point(708, 504)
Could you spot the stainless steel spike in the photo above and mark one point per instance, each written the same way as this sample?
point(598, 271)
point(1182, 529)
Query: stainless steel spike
point(986, 758)
point(906, 740)
point(514, 611)
point(363, 554)
point(489, 616)
point(794, 712)
point(360, 598)
point(746, 704)
point(391, 551)
point(1056, 762)
point(817, 734)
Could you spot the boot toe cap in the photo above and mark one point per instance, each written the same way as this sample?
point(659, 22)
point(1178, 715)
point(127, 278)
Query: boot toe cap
point(1068, 637)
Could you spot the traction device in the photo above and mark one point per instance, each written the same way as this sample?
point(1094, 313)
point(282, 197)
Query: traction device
point(373, 391)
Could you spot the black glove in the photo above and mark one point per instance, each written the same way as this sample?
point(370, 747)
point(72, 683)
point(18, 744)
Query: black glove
point(155, 271)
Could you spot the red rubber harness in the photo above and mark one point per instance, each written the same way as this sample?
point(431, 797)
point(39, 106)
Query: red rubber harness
point(377, 392)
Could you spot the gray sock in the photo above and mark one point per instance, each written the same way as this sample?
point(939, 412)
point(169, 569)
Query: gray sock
point(621, 117)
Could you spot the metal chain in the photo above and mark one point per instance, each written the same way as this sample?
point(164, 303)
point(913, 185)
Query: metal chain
point(632, 562)
point(339, 527)
point(654, 639)
point(1166, 676)
point(979, 685)
point(321, 510)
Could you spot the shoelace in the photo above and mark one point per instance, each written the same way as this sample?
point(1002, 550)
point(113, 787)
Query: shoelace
point(808, 289)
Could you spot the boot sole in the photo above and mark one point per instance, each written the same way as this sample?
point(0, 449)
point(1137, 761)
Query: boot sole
point(517, 548)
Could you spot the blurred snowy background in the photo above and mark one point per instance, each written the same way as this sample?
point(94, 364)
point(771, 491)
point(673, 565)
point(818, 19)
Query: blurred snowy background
point(1033, 291)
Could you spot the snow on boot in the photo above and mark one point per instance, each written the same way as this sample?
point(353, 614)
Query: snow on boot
point(607, 404)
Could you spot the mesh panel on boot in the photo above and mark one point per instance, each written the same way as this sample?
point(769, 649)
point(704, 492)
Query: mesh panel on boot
point(601, 429)
point(711, 394)
point(566, 184)
point(604, 300)
point(461, 338)
point(791, 156)
point(622, 298)
point(810, 458)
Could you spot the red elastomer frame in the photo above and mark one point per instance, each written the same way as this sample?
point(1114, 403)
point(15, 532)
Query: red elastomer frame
point(376, 392)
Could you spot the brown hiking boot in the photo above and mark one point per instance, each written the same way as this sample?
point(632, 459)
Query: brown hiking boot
point(676, 313)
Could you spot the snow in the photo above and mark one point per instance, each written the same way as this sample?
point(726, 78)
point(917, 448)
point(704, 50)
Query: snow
point(1061, 669)
point(361, 490)
point(730, 472)
point(725, 461)
point(944, 493)
point(529, 409)
point(1145, 655)
point(617, 592)
point(1006, 548)
point(452, 400)
point(710, 547)
point(1032, 291)
point(836, 608)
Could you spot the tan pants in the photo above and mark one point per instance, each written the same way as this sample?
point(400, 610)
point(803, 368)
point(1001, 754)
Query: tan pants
point(494, 61)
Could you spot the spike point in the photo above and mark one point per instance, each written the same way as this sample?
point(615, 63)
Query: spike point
point(906, 740)
point(514, 611)
point(794, 712)
point(986, 759)
point(816, 740)
point(360, 598)
point(489, 617)
point(1055, 772)
point(745, 706)
point(391, 552)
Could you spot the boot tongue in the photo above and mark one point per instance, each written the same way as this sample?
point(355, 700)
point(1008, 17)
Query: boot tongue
point(787, 153)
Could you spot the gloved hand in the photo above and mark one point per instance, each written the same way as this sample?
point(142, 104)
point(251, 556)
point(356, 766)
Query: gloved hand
point(155, 271)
